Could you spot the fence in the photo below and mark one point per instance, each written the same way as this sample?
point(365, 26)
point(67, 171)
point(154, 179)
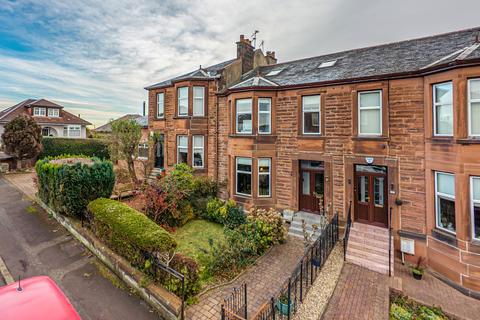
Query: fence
point(285, 304)
point(235, 306)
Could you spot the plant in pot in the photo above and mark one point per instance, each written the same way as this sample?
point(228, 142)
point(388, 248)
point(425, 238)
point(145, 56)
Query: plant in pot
point(283, 303)
point(418, 269)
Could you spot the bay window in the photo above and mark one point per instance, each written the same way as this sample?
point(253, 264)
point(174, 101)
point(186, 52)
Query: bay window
point(370, 113)
point(443, 109)
point(160, 105)
point(264, 170)
point(39, 112)
point(445, 201)
point(244, 115)
point(475, 192)
point(198, 152)
point(199, 101)
point(244, 176)
point(474, 108)
point(72, 131)
point(182, 149)
point(182, 94)
point(311, 114)
point(264, 115)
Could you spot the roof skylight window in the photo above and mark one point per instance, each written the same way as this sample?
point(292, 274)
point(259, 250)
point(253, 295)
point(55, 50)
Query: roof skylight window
point(274, 72)
point(327, 64)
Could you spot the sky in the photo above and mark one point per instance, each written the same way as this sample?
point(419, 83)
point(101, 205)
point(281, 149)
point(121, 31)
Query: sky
point(95, 57)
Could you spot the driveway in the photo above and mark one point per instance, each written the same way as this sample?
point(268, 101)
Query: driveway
point(33, 244)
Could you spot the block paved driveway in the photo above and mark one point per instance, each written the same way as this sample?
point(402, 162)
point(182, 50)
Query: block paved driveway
point(32, 244)
point(263, 280)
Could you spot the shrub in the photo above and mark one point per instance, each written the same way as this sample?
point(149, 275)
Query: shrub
point(226, 213)
point(235, 216)
point(204, 189)
point(126, 135)
point(265, 228)
point(190, 269)
point(22, 138)
point(214, 211)
point(67, 185)
point(53, 147)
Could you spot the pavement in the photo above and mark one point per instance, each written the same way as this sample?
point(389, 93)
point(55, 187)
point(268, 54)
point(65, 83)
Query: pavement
point(33, 244)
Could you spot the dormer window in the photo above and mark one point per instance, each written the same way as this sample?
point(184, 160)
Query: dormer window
point(53, 112)
point(182, 94)
point(39, 112)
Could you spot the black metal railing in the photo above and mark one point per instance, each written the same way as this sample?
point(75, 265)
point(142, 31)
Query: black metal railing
point(346, 235)
point(285, 304)
point(159, 270)
point(235, 306)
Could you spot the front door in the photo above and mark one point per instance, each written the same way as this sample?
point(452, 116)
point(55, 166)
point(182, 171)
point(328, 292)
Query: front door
point(371, 195)
point(159, 158)
point(311, 186)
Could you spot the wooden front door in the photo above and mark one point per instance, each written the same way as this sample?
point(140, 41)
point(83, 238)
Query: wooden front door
point(311, 185)
point(159, 158)
point(371, 195)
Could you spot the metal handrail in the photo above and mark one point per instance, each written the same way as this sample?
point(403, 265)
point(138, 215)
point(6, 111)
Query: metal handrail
point(390, 243)
point(347, 231)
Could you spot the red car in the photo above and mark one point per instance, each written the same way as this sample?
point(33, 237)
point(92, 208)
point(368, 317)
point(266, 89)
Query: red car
point(39, 299)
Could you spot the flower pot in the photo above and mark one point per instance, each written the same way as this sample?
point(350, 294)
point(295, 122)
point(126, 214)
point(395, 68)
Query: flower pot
point(417, 276)
point(283, 307)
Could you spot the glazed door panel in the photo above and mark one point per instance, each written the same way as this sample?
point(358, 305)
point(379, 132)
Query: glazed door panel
point(371, 195)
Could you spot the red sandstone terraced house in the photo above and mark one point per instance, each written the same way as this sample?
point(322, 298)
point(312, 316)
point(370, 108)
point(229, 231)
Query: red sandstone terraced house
point(389, 133)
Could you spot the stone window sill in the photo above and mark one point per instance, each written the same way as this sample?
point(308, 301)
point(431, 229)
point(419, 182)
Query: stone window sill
point(373, 138)
point(311, 137)
point(444, 236)
point(469, 141)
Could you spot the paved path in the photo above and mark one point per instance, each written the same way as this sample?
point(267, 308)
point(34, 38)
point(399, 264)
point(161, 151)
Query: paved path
point(32, 244)
point(433, 292)
point(360, 294)
point(263, 280)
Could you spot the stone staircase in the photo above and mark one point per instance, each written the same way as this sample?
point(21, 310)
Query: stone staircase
point(294, 223)
point(368, 247)
point(153, 174)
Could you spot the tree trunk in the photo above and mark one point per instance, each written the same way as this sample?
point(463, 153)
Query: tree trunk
point(131, 171)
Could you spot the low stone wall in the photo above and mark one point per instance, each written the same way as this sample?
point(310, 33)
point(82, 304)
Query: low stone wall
point(167, 304)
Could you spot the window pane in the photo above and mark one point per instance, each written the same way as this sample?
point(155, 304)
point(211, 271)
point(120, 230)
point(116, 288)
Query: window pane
point(198, 141)
point(370, 121)
point(446, 214)
point(311, 103)
point(311, 122)
point(244, 123)
point(475, 89)
point(475, 118)
point(363, 189)
point(306, 183)
point(446, 184)
point(182, 155)
point(443, 93)
point(198, 101)
point(244, 106)
point(143, 150)
point(198, 158)
point(263, 165)
point(319, 184)
point(244, 183)
point(264, 185)
point(370, 99)
point(183, 101)
point(378, 188)
point(444, 119)
point(476, 189)
point(183, 141)
point(244, 164)
point(264, 122)
point(160, 105)
point(264, 104)
point(476, 220)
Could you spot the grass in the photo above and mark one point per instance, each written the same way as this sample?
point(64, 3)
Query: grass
point(194, 237)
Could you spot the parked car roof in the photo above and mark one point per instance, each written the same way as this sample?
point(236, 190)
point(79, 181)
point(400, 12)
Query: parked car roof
point(40, 298)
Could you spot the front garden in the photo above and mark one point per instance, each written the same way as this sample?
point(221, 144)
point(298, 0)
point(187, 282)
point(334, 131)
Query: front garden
point(403, 308)
point(178, 221)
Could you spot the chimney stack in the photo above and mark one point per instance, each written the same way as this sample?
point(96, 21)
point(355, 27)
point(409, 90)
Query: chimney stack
point(245, 53)
point(271, 57)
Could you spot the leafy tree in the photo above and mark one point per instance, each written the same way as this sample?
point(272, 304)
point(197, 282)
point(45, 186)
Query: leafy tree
point(22, 138)
point(126, 135)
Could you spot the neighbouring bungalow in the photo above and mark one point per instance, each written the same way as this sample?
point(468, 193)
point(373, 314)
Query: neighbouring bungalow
point(388, 135)
point(54, 120)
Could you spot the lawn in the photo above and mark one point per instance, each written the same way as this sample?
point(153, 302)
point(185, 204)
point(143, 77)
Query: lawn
point(194, 237)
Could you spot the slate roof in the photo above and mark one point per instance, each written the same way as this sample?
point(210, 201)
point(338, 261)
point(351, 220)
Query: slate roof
point(141, 120)
point(65, 117)
point(402, 57)
point(199, 74)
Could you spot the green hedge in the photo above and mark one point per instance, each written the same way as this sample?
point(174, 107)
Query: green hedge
point(53, 147)
point(127, 231)
point(68, 187)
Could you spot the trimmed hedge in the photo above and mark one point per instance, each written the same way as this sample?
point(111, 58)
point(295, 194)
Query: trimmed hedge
point(128, 231)
point(68, 187)
point(53, 147)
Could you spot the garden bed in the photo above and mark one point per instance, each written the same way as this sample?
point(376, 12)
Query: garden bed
point(403, 308)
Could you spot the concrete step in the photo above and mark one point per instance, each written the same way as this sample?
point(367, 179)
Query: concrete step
point(368, 248)
point(377, 267)
point(382, 244)
point(369, 255)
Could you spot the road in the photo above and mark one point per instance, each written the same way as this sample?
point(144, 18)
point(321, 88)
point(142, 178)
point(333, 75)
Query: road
point(33, 244)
